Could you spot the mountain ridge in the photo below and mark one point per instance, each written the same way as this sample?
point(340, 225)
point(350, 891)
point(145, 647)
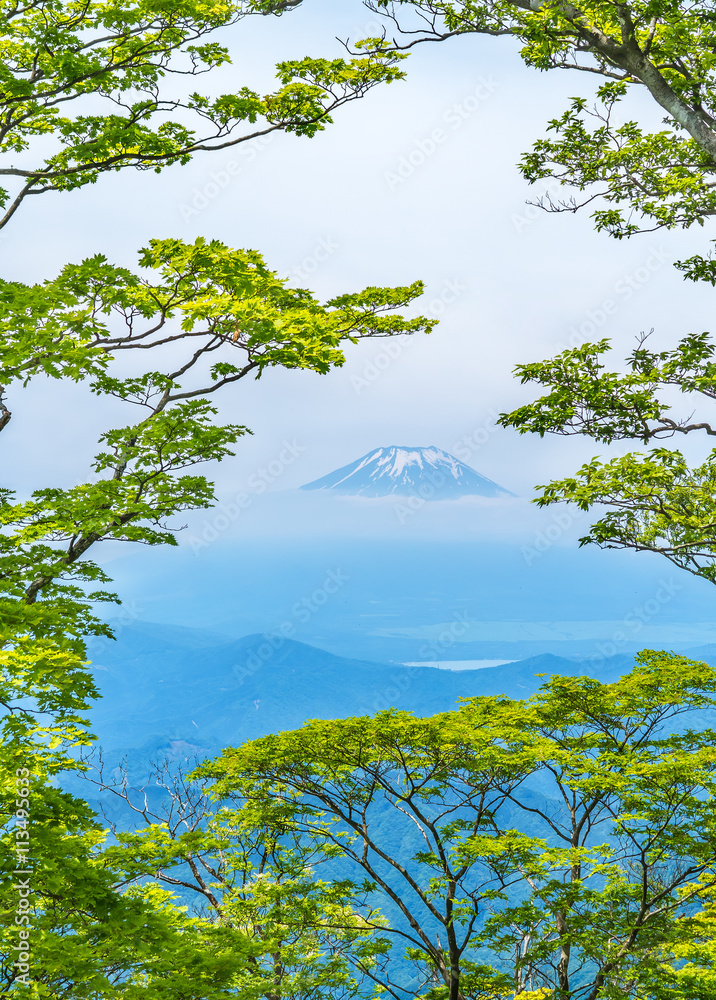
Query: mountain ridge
point(166, 693)
point(214, 696)
point(397, 470)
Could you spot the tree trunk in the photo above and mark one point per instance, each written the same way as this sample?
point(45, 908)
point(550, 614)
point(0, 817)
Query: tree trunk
point(564, 956)
point(5, 415)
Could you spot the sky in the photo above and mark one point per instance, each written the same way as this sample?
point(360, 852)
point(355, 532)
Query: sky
point(375, 199)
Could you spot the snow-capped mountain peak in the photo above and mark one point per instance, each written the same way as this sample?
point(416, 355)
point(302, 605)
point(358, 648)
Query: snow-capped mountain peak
point(431, 473)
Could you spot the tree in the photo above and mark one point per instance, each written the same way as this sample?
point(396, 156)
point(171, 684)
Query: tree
point(647, 179)
point(555, 847)
point(85, 90)
point(211, 316)
point(121, 916)
point(635, 179)
point(254, 896)
point(655, 501)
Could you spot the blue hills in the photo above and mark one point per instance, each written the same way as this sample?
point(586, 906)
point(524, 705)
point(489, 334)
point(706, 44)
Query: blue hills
point(182, 694)
point(168, 690)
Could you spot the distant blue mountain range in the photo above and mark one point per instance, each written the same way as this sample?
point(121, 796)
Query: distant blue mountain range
point(178, 694)
point(182, 694)
point(428, 473)
point(170, 691)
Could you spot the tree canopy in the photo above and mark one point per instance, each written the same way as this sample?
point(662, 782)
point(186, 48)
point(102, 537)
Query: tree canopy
point(638, 177)
point(94, 87)
point(559, 847)
point(635, 174)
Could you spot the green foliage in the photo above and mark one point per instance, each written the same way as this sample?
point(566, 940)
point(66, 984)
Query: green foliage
point(225, 300)
point(268, 926)
point(567, 837)
point(660, 504)
point(115, 61)
point(644, 178)
point(647, 180)
point(585, 398)
point(655, 502)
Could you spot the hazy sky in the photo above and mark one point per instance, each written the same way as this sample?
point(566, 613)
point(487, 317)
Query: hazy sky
point(509, 284)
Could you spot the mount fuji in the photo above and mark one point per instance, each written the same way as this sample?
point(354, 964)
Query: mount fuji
point(430, 473)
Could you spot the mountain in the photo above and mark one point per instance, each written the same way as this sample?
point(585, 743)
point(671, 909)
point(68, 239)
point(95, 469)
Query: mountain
point(182, 694)
point(426, 473)
point(179, 695)
point(166, 688)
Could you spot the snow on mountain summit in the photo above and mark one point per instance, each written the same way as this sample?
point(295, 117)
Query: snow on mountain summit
point(430, 473)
